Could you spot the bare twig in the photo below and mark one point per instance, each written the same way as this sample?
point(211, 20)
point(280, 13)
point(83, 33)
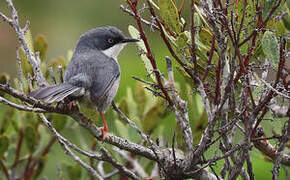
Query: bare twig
point(65, 146)
point(133, 125)
point(126, 10)
point(117, 165)
point(20, 73)
point(52, 75)
point(285, 139)
point(35, 63)
point(19, 107)
point(275, 90)
point(180, 109)
point(60, 73)
point(137, 167)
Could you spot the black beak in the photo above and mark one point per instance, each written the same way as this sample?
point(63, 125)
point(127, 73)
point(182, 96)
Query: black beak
point(129, 40)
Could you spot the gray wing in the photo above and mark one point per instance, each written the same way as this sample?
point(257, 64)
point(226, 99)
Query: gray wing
point(100, 72)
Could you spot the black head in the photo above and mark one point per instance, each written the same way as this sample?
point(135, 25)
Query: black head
point(102, 38)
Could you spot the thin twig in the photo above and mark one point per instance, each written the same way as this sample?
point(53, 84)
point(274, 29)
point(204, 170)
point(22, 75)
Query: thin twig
point(285, 139)
point(34, 62)
point(20, 73)
point(52, 75)
point(275, 90)
point(117, 165)
point(19, 107)
point(126, 10)
point(137, 167)
point(65, 146)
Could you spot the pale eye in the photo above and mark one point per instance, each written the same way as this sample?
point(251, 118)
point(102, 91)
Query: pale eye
point(110, 41)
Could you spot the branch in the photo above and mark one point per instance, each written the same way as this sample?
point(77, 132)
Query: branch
point(275, 90)
point(32, 58)
point(266, 148)
point(64, 144)
point(117, 165)
point(150, 24)
point(283, 143)
point(133, 125)
point(180, 109)
point(19, 107)
point(136, 166)
point(149, 54)
point(85, 122)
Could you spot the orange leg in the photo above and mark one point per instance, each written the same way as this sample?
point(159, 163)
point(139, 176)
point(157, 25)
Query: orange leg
point(105, 128)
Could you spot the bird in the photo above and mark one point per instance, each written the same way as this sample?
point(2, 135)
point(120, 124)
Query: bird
point(92, 76)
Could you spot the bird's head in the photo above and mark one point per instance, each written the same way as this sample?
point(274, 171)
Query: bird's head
point(110, 40)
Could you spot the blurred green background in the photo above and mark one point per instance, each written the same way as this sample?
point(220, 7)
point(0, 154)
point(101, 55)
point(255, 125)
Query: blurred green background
point(62, 22)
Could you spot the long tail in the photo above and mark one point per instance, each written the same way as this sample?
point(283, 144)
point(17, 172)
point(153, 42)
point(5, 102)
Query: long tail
point(54, 93)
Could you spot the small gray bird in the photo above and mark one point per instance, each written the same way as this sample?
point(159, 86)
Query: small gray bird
point(93, 74)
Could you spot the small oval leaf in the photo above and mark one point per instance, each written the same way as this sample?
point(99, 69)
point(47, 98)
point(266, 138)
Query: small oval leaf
point(4, 143)
point(74, 171)
point(270, 48)
point(40, 45)
point(135, 34)
point(30, 138)
point(169, 14)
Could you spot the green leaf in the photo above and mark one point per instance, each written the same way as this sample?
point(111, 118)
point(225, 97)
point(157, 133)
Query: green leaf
point(267, 7)
point(201, 14)
point(40, 45)
point(286, 21)
point(270, 48)
point(4, 78)
point(153, 3)
point(4, 143)
point(135, 34)
point(28, 39)
point(122, 129)
point(141, 98)
point(40, 166)
point(74, 171)
point(205, 37)
point(59, 121)
point(30, 138)
point(258, 51)
point(154, 116)
point(26, 67)
point(69, 55)
point(131, 102)
point(288, 4)
point(7, 119)
point(169, 14)
point(123, 106)
point(181, 41)
point(280, 28)
point(60, 61)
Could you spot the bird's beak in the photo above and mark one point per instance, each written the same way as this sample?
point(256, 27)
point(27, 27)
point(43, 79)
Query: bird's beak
point(129, 40)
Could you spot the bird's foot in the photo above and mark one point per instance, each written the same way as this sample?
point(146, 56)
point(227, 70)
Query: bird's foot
point(72, 106)
point(105, 128)
point(104, 132)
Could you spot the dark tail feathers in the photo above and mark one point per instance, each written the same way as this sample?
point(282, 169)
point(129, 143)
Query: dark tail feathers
point(54, 93)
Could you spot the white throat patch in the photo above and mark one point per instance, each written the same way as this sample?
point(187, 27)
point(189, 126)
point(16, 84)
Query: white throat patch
point(114, 51)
